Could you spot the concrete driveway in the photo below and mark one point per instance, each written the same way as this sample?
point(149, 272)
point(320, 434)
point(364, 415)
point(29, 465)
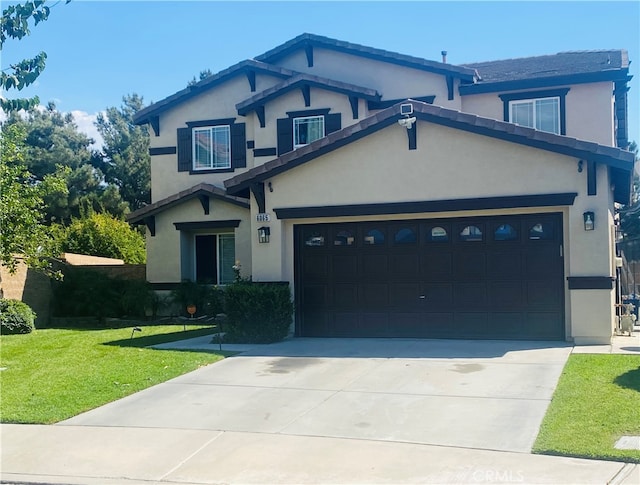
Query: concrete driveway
point(488, 395)
point(321, 411)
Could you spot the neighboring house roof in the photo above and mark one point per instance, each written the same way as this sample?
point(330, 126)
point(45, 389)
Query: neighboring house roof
point(621, 161)
point(562, 68)
point(200, 190)
point(304, 40)
point(143, 116)
point(299, 80)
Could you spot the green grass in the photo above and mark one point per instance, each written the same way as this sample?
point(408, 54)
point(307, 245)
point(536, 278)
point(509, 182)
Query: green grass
point(596, 402)
point(54, 374)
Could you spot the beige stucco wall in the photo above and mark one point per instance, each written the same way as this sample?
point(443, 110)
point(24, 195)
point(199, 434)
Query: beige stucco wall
point(390, 80)
point(163, 249)
point(450, 164)
point(215, 103)
point(582, 101)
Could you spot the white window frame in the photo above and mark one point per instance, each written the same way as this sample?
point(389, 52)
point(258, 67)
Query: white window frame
point(533, 103)
point(213, 164)
point(194, 264)
point(301, 119)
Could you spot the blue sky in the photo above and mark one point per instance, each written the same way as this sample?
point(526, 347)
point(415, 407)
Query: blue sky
point(98, 51)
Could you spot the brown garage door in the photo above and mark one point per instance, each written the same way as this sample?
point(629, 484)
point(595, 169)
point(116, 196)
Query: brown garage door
point(482, 277)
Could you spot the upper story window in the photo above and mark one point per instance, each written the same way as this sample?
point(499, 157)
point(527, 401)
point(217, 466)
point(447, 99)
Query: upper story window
point(307, 129)
point(212, 147)
point(542, 110)
point(541, 114)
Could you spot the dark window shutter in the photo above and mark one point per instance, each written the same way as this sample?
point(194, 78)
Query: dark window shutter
point(238, 146)
point(285, 135)
point(184, 150)
point(332, 122)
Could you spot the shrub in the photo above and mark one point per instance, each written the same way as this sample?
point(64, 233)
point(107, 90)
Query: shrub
point(257, 312)
point(206, 298)
point(16, 317)
point(89, 293)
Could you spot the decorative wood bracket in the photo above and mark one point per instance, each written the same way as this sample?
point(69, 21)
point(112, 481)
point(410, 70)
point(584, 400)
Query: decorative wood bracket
point(592, 188)
point(308, 50)
point(353, 100)
point(257, 190)
point(450, 87)
point(204, 200)
point(150, 222)
point(154, 121)
point(260, 114)
point(306, 94)
point(412, 135)
point(251, 77)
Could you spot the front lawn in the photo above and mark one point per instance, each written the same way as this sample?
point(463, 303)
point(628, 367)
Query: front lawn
point(596, 402)
point(53, 374)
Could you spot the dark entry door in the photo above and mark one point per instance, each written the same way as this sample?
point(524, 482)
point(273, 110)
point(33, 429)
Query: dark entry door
point(206, 261)
point(483, 277)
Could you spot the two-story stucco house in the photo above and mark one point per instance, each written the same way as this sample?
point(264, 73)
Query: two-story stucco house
point(398, 196)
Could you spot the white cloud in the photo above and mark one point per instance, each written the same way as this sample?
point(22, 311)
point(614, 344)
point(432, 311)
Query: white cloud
point(85, 122)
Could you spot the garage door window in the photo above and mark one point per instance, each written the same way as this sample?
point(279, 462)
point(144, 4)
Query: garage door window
point(438, 234)
point(313, 238)
point(541, 231)
point(471, 234)
point(374, 237)
point(344, 238)
point(505, 232)
point(406, 235)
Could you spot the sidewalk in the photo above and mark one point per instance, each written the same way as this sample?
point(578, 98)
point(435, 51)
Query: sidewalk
point(109, 456)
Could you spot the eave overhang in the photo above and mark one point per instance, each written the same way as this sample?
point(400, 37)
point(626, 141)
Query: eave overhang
point(620, 161)
point(201, 191)
point(300, 80)
point(543, 82)
point(147, 114)
point(306, 40)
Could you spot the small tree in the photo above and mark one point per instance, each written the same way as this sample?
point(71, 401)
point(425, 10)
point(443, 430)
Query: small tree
point(103, 235)
point(22, 206)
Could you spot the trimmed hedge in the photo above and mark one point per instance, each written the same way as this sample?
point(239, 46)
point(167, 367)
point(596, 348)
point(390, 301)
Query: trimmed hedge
point(16, 317)
point(85, 292)
point(257, 312)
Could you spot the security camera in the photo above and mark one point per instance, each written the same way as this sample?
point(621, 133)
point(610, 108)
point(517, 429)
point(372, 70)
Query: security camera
point(407, 122)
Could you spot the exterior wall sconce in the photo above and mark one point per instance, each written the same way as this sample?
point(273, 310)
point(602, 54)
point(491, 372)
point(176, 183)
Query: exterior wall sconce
point(589, 221)
point(263, 234)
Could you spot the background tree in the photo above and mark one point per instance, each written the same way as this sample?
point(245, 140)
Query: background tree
point(201, 77)
point(125, 159)
point(103, 235)
point(53, 141)
point(15, 25)
point(22, 206)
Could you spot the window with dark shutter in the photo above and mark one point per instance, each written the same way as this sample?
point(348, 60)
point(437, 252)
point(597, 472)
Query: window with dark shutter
point(332, 122)
point(184, 149)
point(285, 135)
point(238, 146)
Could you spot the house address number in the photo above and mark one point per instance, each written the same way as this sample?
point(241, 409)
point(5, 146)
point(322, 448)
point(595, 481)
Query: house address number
point(263, 217)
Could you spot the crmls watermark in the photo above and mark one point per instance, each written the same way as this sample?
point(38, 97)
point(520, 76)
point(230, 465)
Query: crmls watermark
point(497, 476)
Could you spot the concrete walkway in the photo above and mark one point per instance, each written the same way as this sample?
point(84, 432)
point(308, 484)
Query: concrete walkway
point(323, 411)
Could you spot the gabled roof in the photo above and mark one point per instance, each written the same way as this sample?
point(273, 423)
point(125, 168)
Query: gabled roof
point(304, 40)
point(621, 161)
point(202, 189)
point(562, 68)
point(299, 80)
point(143, 116)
